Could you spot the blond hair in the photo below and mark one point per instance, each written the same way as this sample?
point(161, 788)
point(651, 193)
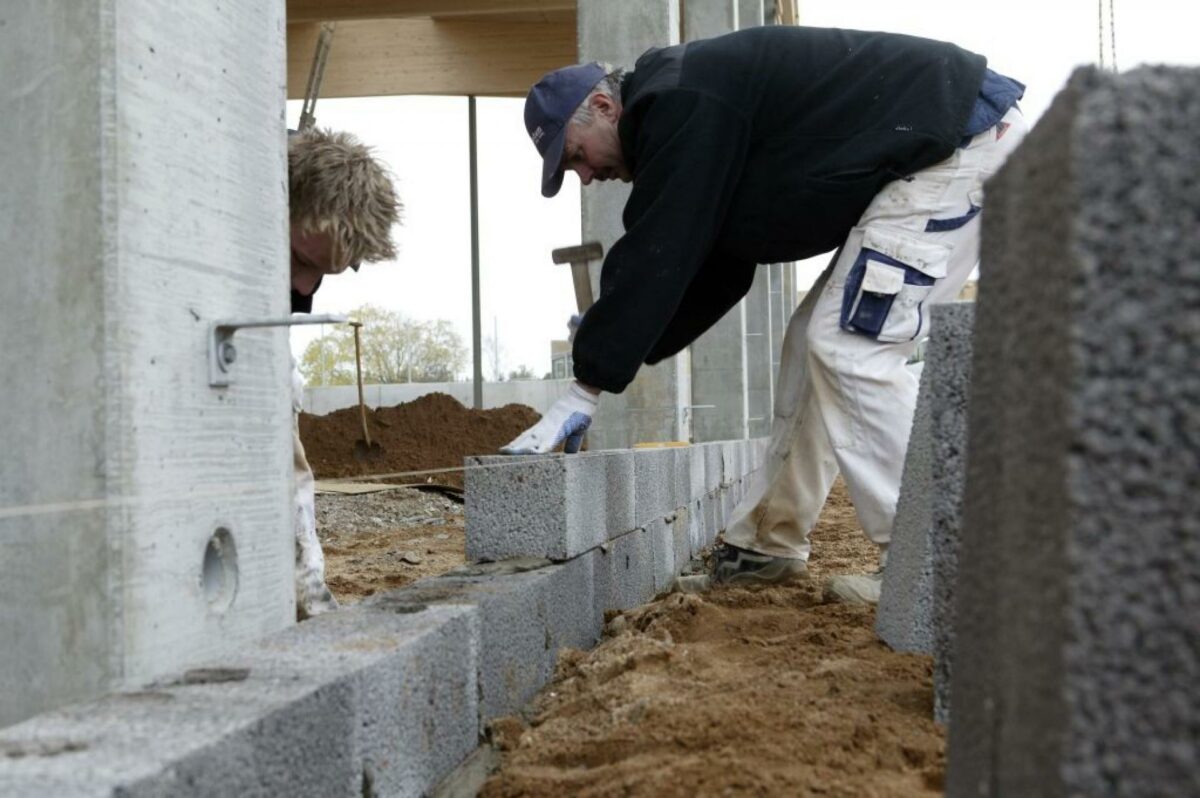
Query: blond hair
point(336, 186)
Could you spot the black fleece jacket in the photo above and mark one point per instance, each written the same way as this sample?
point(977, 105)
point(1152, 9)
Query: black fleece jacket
point(760, 146)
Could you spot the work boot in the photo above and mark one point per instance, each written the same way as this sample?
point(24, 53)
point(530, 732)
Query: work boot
point(737, 566)
point(855, 588)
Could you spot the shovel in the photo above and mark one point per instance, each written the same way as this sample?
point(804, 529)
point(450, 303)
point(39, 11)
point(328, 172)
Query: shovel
point(365, 450)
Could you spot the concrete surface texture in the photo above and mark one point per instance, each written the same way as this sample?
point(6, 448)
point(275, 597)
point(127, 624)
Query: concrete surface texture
point(528, 610)
point(361, 702)
point(1077, 646)
point(386, 697)
point(904, 617)
point(652, 408)
point(948, 361)
point(141, 202)
point(554, 506)
point(560, 506)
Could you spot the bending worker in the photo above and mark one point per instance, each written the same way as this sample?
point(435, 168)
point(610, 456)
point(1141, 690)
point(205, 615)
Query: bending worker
point(342, 207)
point(776, 144)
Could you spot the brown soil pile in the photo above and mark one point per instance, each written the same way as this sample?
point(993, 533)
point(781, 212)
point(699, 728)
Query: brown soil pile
point(434, 431)
point(766, 691)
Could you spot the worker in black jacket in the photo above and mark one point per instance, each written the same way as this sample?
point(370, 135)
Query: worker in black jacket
point(775, 144)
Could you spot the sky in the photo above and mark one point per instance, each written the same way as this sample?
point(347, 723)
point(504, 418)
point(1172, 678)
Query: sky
point(525, 298)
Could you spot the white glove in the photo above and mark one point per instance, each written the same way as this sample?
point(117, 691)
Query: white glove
point(566, 420)
point(573, 325)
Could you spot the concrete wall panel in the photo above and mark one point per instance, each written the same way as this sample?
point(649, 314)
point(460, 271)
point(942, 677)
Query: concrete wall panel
point(144, 198)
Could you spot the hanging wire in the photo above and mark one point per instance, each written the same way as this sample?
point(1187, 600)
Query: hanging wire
point(1112, 29)
point(1112, 33)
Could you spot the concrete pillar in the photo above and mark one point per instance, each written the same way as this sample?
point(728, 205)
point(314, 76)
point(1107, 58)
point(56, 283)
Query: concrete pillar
point(1076, 647)
point(720, 389)
point(652, 408)
point(760, 373)
point(144, 516)
point(750, 13)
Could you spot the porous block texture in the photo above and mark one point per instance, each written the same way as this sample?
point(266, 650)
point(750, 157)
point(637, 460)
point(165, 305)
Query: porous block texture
point(556, 506)
point(528, 611)
point(903, 619)
point(948, 363)
point(654, 474)
point(347, 700)
point(1077, 647)
point(624, 572)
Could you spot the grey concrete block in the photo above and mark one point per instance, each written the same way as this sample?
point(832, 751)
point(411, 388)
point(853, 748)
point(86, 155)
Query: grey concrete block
point(689, 473)
point(713, 466)
point(662, 539)
point(681, 534)
point(905, 615)
point(624, 572)
point(696, 468)
point(712, 521)
point(697, 535)
point(1076, 647)
point(557, 506)
point(948, 362)
point(320, 709)
point(654, 474)
point(529, 610)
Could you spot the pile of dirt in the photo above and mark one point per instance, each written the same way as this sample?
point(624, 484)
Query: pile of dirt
point(433, 431)
point(741, 691)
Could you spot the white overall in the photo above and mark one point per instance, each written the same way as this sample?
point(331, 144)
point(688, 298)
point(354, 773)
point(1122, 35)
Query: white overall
point(844, 399)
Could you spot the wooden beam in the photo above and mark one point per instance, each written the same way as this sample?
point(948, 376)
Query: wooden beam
point(301, 11)
point(426, 56)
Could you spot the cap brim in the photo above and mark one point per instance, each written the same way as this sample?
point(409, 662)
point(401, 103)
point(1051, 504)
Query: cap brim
point(552, 171)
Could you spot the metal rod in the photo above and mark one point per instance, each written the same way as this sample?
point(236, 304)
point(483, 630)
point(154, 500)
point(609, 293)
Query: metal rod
point(476, 324)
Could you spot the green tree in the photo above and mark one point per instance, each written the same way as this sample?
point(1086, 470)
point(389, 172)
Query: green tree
point(394, 349)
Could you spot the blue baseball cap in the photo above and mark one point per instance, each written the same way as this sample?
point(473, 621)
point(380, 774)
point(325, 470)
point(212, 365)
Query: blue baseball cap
point(549, 107)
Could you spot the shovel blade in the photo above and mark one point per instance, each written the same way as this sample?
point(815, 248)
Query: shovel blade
point(365, 453)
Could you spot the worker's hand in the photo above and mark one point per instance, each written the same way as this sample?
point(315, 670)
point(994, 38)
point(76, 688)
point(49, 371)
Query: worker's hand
point(566, 420)
point(573, 325)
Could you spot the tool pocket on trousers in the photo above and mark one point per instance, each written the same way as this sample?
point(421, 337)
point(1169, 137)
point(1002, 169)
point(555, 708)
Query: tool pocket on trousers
point(888, 283)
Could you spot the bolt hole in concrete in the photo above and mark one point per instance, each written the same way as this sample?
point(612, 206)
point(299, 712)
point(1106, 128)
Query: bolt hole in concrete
point(219, 572)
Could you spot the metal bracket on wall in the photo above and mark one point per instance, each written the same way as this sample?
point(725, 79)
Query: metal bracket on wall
point(222, 354)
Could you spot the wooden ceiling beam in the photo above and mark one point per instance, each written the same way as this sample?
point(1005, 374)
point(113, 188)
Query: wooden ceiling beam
point(302, 11)
point(425, 56)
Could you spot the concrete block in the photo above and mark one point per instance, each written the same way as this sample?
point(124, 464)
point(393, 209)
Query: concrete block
point(697, 534)
point(713, 467)
point(529, 611)
point(143, 178)
point(662, 539)
point(948, 363)
point(681, 534)
point(325, 708)
point(697, 477)
point(712, 521)
point(557, 506)
point(689, 473)
point(905, 615)
point(1076, 646)
point(671, 539)
point(624, 572)
point(654, 474)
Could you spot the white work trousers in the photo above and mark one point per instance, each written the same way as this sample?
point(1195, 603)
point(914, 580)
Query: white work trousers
point(844, 399)
point(312, 595)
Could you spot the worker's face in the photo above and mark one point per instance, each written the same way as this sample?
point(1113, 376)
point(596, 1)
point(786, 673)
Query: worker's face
point(593, 151)
point(312, 258)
